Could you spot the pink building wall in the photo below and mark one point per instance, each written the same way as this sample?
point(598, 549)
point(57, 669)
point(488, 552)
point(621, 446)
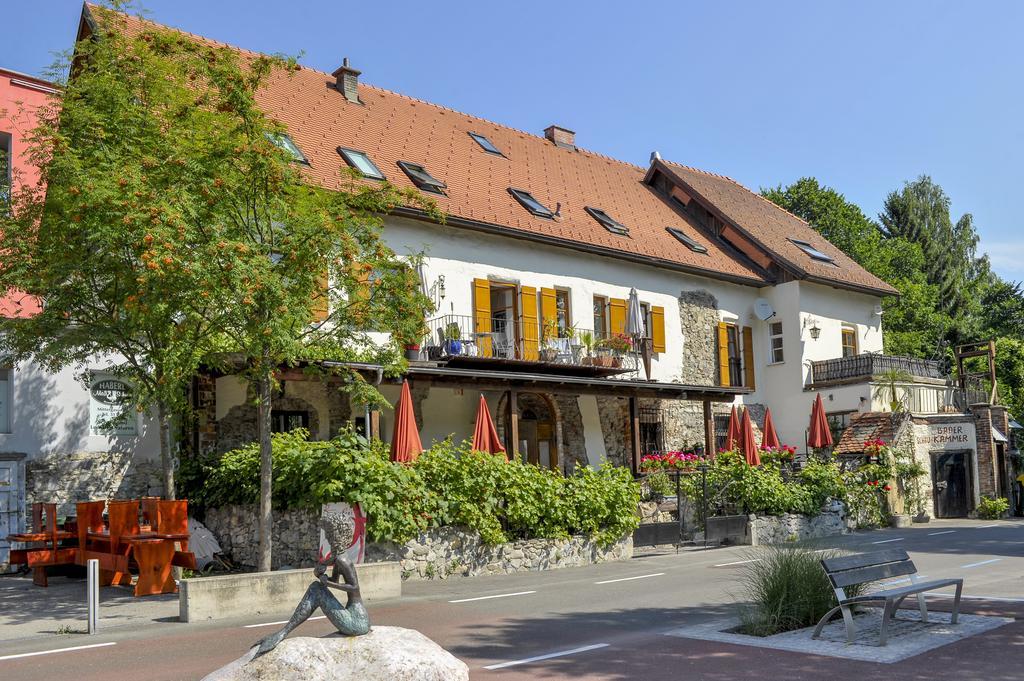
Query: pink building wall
point(20, 96)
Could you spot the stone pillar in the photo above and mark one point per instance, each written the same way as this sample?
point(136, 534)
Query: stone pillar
point(205, 387)
point(419, 390)
point(988, 480)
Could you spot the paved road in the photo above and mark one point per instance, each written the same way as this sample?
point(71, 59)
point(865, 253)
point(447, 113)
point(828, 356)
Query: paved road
point(604, 621)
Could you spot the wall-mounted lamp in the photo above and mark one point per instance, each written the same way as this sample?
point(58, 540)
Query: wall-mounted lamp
point(437, 292)
point(815, 330)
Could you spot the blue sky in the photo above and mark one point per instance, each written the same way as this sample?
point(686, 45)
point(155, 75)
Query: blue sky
point(862, 95)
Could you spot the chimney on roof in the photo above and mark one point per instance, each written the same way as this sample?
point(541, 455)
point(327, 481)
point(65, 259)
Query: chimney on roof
point(348, 81)
point(562, 137)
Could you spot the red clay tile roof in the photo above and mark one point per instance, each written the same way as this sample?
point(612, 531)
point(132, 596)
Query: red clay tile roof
point(867, 426)
point(391, 127)
point(772, 227)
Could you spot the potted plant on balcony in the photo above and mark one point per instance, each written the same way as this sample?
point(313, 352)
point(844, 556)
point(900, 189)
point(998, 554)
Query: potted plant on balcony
point(587, 342)
point(412, 351)
point(549, 348)
point(619, 344)
point(453, 339)
point(603, 356)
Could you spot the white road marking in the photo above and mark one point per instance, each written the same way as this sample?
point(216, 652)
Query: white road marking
point(58, 650)
point(271, 624)
point(628, 579)
point(484, 598)
point(984, 562)
point(738, 562)
point(886, 541)
point(935, 534)
point(977, 598)
point(538, 658)
point(985, 527)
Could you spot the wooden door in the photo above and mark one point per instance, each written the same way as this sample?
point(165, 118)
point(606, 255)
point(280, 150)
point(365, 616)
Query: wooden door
point(951, 484)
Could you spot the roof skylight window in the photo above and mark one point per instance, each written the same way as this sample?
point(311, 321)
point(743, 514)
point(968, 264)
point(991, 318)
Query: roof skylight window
point(531, 204)
point(421, 178)
point(607, 221)
point(687, 241)
point(285, 143)
point(813, 252)
point(361, 162)
point(486, 144)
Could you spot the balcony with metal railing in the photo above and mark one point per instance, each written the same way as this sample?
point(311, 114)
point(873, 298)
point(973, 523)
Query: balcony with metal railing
point(866, 366)
point(462, 340)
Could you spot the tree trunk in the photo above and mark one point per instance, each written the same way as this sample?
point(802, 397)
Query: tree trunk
point(263, 386)
point(166, 451)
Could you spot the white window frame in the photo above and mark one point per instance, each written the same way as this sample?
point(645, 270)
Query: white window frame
point(771, 344)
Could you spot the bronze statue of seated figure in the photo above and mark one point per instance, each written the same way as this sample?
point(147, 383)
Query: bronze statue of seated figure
point(350, 619)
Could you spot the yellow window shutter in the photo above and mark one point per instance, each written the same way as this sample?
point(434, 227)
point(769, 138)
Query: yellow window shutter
point(723, 354)
point(548, 309)
point(531, 329)
point(617, 315)
point(321, 308)
point(482, 315)
point(748, 357)
point(658, 328)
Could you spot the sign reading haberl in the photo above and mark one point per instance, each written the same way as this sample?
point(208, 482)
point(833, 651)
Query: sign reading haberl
point(110, 398)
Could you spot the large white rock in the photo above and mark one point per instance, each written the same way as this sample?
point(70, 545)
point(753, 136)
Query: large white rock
point(390, 653)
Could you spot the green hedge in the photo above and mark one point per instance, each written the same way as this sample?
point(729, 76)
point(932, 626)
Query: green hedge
point(448, 485)
point(763, 490)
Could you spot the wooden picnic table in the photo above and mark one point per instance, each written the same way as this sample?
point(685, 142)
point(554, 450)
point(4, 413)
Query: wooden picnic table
point(154, 552)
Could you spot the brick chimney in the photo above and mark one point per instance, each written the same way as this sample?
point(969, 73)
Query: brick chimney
point(348, 81)
point(562, 137)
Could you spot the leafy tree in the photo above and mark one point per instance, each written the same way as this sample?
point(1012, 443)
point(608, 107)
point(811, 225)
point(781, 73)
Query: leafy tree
point(170, 171)
point(920, 213)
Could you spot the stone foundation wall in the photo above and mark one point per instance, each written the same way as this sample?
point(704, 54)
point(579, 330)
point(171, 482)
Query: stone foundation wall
point(571, 451)
point(88, 476)
point(440, 553)
point(614, 413)
point(449, 551)
point(295, 536)
point(791, 527)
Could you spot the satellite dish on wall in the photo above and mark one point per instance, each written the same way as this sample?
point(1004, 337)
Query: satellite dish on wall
point(763, 309)
point(878, 310)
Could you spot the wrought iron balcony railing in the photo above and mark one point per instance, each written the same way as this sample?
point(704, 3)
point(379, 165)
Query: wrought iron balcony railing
point(868, 365)
point(501, 338)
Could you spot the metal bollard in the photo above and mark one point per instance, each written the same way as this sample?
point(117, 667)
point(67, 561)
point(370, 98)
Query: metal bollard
point(92, 574)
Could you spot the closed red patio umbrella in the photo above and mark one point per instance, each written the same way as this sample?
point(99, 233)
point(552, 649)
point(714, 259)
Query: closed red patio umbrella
point(748, 445)
point(819, 435)
point(485, 435)
point(405, 442)
point(732, 436)
point(769, 437)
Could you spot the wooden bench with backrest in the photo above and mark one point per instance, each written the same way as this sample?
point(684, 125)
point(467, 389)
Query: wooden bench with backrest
point(862, 568)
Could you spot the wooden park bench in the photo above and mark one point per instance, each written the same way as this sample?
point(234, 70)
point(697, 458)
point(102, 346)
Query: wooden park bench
point(847, 571)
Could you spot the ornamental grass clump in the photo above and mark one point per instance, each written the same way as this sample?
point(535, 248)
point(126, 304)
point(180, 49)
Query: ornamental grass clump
point(786, 589)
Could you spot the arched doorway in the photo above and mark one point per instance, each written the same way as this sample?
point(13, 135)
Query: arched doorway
point(538, 428)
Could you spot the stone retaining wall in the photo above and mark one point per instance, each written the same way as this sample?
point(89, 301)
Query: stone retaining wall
point(791, 527)
point(449, 551)
point(439, 553)
point(294, 536)
point(68, 478)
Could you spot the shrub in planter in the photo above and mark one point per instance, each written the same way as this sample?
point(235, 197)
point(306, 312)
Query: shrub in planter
point(786, 589)
point(993, 508)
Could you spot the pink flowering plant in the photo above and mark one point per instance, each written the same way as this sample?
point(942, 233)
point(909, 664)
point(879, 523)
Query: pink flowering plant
point(670, 461)
point(780, 454)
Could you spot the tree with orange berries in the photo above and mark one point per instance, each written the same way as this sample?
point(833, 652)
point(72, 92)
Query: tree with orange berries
point(177, 230)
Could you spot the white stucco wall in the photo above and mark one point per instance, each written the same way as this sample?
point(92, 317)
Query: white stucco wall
point(49, 413)
point(592, 439)
point(462, 256)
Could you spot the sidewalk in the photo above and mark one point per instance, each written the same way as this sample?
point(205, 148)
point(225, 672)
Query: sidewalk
point(29, 611)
